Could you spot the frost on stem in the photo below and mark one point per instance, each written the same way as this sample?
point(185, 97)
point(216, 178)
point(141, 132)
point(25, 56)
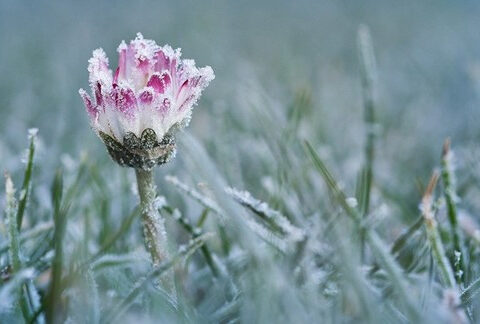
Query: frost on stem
point(153, 224)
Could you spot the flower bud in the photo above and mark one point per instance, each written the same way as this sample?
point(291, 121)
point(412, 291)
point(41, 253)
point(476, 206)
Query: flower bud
point(137, 109)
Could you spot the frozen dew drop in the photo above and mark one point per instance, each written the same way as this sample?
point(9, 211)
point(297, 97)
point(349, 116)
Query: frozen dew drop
point(352, 202)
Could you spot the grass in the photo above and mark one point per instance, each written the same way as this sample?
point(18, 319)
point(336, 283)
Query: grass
point(292, 198)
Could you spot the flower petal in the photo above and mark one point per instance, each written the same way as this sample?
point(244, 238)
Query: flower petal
point(146, 96)
point(98, 94)
point(98, 68)
point(124, 100)
point(159, 82)
point(87, 101)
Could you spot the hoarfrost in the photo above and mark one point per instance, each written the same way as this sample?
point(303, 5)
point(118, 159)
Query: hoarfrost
point(32, 132)
point(9, 290)
point(202, 199)
point(159, 202)
point(352, 202)
point(262, 208)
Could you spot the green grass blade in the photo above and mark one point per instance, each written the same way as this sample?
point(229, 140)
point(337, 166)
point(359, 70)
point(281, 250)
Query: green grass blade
point(53, 302)
point(470, 292)
point(30, 234)
point(194, 232)
point(448, 178)
point(433, 236)
point(379, 249)
point(402, 239)
point(14, 242)
point(24, 193)
point(368, 77)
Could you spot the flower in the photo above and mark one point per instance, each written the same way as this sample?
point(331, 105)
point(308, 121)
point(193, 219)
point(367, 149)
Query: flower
point(138, 108)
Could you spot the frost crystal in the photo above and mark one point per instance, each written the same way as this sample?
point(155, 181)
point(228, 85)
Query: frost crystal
point(159, 202)
point(32, 132)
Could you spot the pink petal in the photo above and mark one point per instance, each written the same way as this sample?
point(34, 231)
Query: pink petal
point(91, 109)
point(146, 97)
point(98, 94)
point(190, 100)
point(159, 82)
point(115, 76)
point(183, 88)
point(124, 100)
point(122, 64)
point(162, 62)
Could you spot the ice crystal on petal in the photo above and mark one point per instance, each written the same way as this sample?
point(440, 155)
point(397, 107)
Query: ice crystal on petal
point(152, 88)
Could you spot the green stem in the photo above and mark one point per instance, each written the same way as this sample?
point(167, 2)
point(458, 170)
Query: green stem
point(153, 223)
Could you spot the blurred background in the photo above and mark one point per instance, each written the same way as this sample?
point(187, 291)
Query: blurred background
point(286, 71)
point(428, 57)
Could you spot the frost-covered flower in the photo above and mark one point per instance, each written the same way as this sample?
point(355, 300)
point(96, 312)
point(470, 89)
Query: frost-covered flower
point(137, 109)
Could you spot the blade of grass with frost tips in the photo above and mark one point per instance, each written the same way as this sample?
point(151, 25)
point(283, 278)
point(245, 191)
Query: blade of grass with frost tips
point(376, 244)
point(448, 178)
point(26, 178)
point(436, 244)
point(273, 218)
point(202, 199)
point(30, 234)
point(470, 292)
point(14, 244)
point(194, 232)
point(123, 306)
point(267, 235)
point(203, 217)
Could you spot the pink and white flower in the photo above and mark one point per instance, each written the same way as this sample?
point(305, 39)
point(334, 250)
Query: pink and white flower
point(151, 89)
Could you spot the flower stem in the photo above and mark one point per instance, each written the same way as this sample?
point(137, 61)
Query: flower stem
point(153, 223)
